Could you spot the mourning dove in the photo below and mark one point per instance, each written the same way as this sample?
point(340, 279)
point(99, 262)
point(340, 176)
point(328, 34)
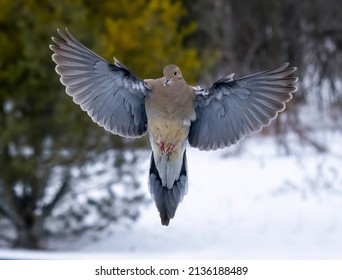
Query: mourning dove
point(169, 110)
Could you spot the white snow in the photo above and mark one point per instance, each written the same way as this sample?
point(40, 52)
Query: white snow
point(258, 204)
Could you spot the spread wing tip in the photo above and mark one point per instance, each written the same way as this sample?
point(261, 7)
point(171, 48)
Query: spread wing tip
point(98, 86)
point(245, 106)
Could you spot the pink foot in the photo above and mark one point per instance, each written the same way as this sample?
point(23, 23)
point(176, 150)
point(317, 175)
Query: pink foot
point(161, 146)
point(166, 149)
point(170, 148)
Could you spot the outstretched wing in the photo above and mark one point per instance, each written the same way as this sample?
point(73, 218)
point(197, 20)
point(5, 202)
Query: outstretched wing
point(231, 109)
point(111, 95)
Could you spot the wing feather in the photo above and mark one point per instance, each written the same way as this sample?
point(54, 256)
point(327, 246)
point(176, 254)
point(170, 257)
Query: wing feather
point(111, 95)
point(231, 109)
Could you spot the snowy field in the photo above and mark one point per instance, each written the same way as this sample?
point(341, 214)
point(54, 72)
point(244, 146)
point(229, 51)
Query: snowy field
point(257, 204)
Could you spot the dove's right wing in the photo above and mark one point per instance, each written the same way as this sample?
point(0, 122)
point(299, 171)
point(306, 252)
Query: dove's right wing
point(231, 109)
point(111, 95)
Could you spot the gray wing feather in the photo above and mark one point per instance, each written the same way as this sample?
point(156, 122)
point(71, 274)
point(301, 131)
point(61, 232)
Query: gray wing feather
point(111, 95)
point(231, 109)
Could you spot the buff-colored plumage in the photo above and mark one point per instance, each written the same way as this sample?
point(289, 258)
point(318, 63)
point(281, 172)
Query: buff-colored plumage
point(172, 112)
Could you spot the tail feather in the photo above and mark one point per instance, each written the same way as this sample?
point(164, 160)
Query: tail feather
point(167, 200)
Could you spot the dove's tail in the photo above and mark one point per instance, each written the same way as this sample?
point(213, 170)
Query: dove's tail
point(168, 199)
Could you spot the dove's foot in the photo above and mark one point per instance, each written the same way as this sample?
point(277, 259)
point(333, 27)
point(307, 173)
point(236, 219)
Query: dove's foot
point(166, 149)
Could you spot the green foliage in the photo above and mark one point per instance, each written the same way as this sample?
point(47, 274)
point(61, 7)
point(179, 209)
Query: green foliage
point(40, 127)
point(147, 37)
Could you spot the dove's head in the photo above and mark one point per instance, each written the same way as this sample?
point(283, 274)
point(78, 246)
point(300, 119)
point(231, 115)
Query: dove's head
point(172, 73)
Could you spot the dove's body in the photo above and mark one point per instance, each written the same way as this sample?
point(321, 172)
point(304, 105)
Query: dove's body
point(172, 112)
point(168, 125)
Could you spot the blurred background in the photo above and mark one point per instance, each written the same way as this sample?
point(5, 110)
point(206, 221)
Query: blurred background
point(63, 178)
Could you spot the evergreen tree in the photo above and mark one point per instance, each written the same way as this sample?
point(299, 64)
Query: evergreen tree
point(46, 142)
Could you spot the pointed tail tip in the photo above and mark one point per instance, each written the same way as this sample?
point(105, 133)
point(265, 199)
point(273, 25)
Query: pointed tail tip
point(165, 221)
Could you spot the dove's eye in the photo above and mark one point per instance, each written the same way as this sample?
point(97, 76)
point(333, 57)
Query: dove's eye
point(175, 73)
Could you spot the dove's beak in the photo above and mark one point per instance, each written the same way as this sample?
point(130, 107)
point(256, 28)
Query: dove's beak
point(166, 81)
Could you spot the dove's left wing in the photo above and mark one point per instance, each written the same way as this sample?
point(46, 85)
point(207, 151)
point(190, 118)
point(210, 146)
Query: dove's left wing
point(231, 109)
point(111, 95)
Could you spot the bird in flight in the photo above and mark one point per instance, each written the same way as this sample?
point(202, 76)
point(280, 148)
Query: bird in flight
point(169, 110)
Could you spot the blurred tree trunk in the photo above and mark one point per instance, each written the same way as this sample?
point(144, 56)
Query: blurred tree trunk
point(27, 238)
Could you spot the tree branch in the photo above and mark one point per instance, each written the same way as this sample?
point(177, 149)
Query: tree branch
point(47, 209)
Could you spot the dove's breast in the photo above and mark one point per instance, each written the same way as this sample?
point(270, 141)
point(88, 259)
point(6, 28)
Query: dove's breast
point(169, 115)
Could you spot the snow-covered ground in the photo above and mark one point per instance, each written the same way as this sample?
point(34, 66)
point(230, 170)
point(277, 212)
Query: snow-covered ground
point(258, 204)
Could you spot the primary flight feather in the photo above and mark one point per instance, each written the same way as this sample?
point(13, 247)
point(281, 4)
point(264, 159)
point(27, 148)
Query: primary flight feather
point(169, 110)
